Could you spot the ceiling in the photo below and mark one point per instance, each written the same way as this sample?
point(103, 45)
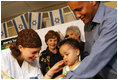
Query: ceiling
point(11, 9)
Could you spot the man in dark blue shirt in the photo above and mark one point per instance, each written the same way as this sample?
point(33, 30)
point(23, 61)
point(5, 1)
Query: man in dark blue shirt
point(101, 40)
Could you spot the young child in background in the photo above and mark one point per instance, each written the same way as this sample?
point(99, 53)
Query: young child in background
point(70, 49)
point(51, 55)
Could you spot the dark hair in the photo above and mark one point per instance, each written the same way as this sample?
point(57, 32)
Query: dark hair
point(52, 34)
point(28, 38)
point(72, 42)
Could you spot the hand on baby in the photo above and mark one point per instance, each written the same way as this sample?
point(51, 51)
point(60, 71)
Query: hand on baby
point(57, 67)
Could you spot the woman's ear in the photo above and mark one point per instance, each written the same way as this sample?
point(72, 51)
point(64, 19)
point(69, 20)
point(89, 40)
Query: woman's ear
point(78, 52)
point(20, 47)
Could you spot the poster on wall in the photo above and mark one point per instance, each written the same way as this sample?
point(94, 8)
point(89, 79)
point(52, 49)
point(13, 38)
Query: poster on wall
point(6, 43)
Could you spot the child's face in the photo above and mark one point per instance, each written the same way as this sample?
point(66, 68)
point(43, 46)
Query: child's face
point(70, 55)
point(29, 54)
point(52, 43)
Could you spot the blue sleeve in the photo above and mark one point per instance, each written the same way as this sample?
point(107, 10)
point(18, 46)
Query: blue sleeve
point(103, 50)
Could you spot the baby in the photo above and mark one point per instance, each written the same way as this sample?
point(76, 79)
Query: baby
point(70, 50)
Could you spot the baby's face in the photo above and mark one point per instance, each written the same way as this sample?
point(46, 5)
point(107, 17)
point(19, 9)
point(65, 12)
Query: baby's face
point(70, 55)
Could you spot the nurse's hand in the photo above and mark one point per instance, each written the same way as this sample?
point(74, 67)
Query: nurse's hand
point(56, 68)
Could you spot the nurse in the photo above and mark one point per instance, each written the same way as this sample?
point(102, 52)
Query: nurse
point(21, 60)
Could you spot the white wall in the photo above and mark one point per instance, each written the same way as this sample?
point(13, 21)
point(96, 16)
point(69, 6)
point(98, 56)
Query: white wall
point(62, 29)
